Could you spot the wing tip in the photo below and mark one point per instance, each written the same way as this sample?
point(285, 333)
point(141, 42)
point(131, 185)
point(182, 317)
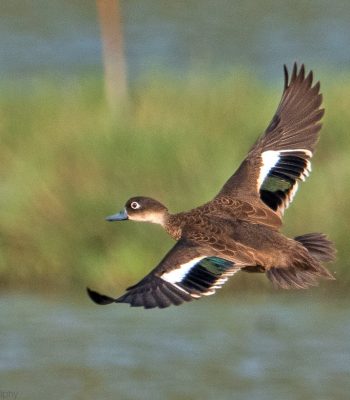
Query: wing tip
point(299, 75)
point(99, 298)
point(286, 77)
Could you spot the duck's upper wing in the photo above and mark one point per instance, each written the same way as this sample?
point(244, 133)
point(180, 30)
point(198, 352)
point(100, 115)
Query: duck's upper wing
point(281, 156)
point(189, 271)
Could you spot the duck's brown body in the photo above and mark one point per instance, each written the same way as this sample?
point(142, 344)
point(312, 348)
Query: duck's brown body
point(240, 228)
point(256, 247)
point(253, 244)
point(225, 209)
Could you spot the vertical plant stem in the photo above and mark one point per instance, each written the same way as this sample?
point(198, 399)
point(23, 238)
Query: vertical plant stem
point(113, 52)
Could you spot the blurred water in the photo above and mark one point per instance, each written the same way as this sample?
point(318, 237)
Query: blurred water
point(290, 346)
point(62, 37)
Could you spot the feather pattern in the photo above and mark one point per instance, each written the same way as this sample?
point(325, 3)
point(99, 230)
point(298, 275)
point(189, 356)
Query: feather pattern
point(281, 157)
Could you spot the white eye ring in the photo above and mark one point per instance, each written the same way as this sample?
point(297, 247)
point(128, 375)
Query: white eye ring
point(135, 205)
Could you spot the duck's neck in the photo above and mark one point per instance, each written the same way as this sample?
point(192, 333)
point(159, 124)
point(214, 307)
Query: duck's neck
point(173, 224)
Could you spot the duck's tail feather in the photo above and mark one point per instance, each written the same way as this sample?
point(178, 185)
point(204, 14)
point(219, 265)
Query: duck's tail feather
point(318, 245)
point(305, 268)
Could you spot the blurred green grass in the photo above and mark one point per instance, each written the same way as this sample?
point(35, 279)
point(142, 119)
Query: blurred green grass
point(67, 163)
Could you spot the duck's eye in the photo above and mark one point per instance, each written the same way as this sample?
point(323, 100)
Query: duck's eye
point(135, 205)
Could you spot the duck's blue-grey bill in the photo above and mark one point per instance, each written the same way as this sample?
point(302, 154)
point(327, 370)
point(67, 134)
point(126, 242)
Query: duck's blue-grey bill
point(121, 216)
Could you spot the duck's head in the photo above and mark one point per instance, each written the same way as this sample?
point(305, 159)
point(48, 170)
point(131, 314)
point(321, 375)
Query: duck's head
point(142, 209)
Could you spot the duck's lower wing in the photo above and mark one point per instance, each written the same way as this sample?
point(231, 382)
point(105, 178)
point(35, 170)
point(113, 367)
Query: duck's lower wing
point(187, 272)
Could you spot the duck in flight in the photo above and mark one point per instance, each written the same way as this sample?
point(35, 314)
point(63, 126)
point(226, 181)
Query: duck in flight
point(239, 230)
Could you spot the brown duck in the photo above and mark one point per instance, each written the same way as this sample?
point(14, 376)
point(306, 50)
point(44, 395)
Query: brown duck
point(239, 229)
